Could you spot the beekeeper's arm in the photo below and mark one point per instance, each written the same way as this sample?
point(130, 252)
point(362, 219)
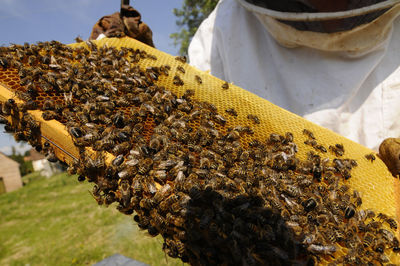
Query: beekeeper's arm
point(128, 23)
point(389, 152)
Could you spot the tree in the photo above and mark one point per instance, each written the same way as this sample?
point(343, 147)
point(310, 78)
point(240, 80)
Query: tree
point(189, 18)
point(25, 167)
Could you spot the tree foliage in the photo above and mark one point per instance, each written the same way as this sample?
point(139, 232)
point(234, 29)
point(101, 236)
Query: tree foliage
point(25, 167)
point(189, 17)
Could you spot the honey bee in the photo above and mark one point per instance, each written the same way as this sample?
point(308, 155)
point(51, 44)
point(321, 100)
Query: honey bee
point(68, 99)
point(181, 59)
point(78, 39)
point(390, 221)
point(117, 161)
point(157, 220)
point(123, 136)
point(20, 136)
point(368, 239)
point(118, 120)
point(181, 69)
point(313, 143)
point(373, 225)
point(164, 70)
point(121, 148)
point(310, 204)
point(170, 247)
point(162, 193)
point(370, 157)
point(96, 194)
point(288, 137)
point(110, 198)
point(31, 60)
point(198, 79)
point(143, 221)
point(104, 144)
point(124, 192)
point(4, 62)
point(97, 162)
point(322, 249)
point(137, 187)
point(91, 45)
point(48, 104)
point(335, 234)
point(29, 121)
point(321, 148)
point(178, 81)
point(338, 149)
point(253, 118)
point(76, 132)
point(91, 137)
point(357, 198)
point(254, 143)
point(28, 105)
point(24, 96)
point(8, 106)
point(308, 133)
point(231, 111)
point(155, 144)
point(147, 203)
point(149, 186)
point(233, 135)
point(51, 156)
point(188, 94)
point(220, 120)
point(349, 211)
point(225, 86)
point(152, 57)
point(275, 138)
point(49, 115)
point(145, 165)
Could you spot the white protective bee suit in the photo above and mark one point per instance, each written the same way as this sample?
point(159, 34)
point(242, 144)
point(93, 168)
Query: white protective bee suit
point(347, 81)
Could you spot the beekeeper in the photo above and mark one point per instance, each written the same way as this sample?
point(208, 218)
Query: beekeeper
point(336, 63)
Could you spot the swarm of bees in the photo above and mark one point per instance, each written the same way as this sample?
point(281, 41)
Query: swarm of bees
point(213, 199)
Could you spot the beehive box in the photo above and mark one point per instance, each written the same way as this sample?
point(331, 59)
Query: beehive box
point(225, 176)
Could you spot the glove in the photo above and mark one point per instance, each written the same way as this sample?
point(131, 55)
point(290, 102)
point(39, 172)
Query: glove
point(128, 23)
point(389, 152)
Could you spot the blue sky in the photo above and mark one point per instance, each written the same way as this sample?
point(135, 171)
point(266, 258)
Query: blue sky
point(62, 20)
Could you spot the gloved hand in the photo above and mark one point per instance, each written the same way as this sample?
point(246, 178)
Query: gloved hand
point(389, 152)
point(127, 23)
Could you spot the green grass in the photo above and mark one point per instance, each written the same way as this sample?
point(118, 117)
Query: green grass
point(57, 222)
